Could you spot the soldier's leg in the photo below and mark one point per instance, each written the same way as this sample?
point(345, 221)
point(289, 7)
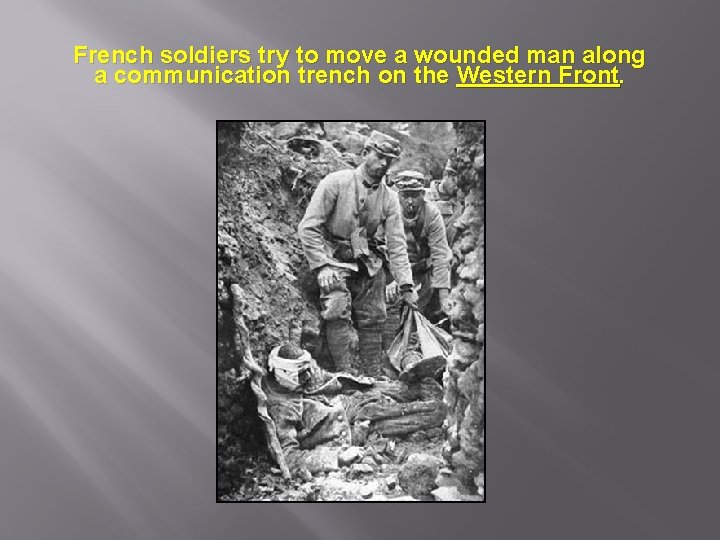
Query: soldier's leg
point(368, 306)
point(340, 334)
point(391, 324)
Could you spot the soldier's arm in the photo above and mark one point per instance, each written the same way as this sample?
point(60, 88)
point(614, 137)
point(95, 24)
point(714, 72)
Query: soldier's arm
point(289, 427)
point(396, 246)
point(287, 415)
point(311, 229)
point(440, 253)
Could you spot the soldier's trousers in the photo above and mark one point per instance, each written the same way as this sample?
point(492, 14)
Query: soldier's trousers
point(356, 301)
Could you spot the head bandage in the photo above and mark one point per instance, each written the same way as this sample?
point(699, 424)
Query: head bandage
point(292, 374)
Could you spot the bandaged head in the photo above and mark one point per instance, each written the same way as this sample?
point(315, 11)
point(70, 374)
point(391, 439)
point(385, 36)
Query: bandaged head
point(291, 373)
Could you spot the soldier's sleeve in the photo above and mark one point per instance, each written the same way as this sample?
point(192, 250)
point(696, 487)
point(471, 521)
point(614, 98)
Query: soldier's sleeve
point(312, 227)
point(287, 415)
point(396, 246)
point(440, 253)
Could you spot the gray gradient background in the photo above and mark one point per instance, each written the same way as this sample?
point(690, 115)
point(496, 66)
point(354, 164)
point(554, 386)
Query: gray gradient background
point(602, 374)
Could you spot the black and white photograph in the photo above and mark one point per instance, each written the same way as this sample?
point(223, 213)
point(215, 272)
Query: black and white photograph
point(350, 311)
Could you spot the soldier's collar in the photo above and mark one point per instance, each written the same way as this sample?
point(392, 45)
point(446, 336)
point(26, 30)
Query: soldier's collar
point(366, 180)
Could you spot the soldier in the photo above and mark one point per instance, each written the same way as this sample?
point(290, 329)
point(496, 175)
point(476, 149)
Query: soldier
point(317, 413)
point(428, 249)
point(342, 232)
point(443, 193)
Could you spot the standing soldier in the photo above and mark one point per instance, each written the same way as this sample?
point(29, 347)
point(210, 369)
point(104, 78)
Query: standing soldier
point(428, 249)
point(443, 193)
point(341, 234)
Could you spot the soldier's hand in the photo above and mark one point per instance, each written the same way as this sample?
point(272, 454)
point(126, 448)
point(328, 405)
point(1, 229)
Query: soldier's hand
point(327, 277)
point(408, 296)
point(391, 293)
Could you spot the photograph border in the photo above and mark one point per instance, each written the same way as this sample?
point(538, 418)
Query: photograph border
point(484, 348)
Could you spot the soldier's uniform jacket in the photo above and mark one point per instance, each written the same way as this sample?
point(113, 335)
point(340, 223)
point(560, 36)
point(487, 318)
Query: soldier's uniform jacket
point(428, 248)
point(340, 205)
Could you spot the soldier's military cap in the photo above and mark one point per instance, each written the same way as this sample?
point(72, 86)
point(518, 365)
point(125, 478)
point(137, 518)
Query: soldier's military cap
point(410, 174)
point(384, 144)
point(409, 185)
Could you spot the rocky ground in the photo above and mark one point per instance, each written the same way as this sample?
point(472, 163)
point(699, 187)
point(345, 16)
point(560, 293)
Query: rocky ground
point(266, 175)
point(391, 470)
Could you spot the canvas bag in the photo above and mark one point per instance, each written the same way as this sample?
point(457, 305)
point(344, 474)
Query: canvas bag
point(420, 348)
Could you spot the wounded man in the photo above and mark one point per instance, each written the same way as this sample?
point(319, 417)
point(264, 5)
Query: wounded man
point(318, 414)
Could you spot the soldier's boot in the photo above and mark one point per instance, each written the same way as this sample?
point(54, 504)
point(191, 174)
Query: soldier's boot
point(342, 344)
point(370, 350)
